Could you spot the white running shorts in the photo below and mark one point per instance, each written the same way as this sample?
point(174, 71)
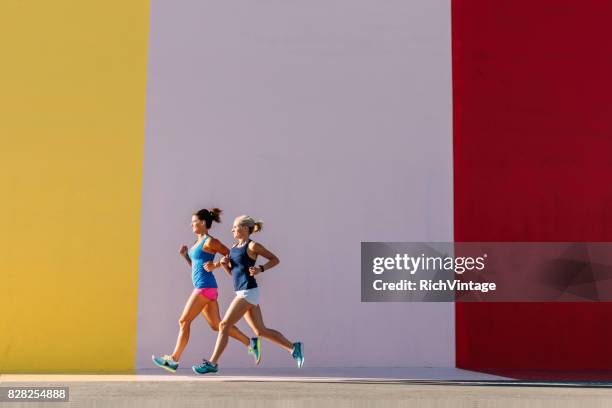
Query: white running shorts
point(250, 295)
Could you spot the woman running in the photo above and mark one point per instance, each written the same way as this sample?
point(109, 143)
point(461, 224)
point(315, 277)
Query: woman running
point(204, 297)
point(241, 265)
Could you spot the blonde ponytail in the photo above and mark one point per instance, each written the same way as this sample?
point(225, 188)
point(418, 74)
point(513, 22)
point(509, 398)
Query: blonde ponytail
point(250, 223)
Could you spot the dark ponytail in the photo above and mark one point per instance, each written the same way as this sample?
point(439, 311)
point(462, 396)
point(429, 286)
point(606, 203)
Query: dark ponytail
point(208, 216)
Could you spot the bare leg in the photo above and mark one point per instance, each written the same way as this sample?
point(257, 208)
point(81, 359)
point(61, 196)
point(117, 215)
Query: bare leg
point(211, 314)
point(236, 310)
point(193, 307)
point(255, 320)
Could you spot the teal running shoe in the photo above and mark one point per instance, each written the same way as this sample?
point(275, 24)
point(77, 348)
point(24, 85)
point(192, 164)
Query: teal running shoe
point(205, 368)
point(298, 353)
point(166, 362)
point(255, 349)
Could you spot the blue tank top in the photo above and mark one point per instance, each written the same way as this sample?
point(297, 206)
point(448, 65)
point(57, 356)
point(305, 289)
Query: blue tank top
point(199, 276)
point(241, 262)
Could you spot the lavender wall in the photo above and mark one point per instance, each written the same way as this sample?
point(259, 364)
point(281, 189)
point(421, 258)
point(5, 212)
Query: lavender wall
point(331, 121)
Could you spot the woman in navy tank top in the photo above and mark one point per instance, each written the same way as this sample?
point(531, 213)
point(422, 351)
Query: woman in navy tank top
point(241, 265)
point(200, 258)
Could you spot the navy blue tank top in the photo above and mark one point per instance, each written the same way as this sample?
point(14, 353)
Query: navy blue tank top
point(241, 262)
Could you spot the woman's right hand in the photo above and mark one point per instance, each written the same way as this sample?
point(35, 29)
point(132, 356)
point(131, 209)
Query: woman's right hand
point(224, 261)
point(183, 250)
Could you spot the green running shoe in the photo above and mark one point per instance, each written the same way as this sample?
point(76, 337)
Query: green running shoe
point(166, 362)
point(298, 353)
point(205, 368)
point(255, 349)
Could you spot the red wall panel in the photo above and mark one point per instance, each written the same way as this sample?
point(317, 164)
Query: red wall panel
point(533, 162)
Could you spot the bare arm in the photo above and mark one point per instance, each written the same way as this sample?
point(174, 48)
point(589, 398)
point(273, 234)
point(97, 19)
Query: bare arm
point(215, 247)
point(185, 255)
point(259, 249)
point(225, 264)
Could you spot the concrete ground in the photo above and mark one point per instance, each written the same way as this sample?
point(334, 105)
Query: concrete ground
point(335, 388)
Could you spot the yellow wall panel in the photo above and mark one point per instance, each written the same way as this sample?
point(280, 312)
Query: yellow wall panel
point(72, 103)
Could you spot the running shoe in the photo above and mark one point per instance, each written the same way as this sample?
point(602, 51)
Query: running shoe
point(298, 353)
point(255, 349)
point(166, 362)
point(205, 368)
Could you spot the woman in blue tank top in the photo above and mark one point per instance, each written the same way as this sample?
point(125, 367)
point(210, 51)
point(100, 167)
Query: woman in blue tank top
point(200, 257)
point(241, 265)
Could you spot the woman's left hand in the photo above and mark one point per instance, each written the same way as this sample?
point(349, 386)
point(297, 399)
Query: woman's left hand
point(254, 270)
point(209, 266)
